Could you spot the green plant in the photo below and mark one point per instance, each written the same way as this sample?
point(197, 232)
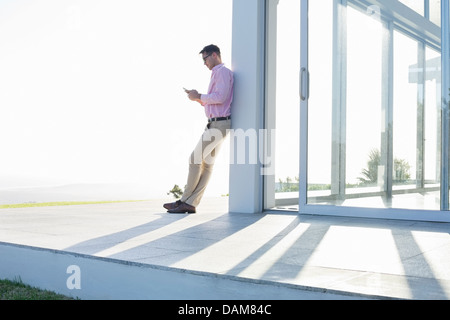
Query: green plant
point(288, 185)
point(370, 175)
point(401, 170)
point(176, 191)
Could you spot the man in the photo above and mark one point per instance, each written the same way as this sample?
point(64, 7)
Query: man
point(217, 105)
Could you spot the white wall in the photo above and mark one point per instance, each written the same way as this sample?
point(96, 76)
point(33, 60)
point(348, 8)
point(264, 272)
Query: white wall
point(92, 278)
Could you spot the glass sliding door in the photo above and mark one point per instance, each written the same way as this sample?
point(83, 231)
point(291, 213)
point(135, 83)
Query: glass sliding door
point(362, 81)
point(283, 105)
point(366, 111)
point(371, 126)
point(324, 134)
point(417, 119)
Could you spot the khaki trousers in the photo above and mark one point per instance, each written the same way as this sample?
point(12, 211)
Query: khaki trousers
point(202, 161)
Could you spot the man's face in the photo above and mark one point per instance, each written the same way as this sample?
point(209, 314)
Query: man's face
point(209, 59)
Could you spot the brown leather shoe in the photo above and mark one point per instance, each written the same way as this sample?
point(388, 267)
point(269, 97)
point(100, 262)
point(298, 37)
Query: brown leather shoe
point(183, 208)
point(171, 206)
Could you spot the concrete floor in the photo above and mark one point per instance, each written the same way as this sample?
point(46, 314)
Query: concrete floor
point(285, 255)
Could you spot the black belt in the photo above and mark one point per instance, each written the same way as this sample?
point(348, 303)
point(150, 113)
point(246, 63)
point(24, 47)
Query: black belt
point(219, 119)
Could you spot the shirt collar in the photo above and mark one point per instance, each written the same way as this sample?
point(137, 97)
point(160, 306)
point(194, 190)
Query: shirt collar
point(217, 67)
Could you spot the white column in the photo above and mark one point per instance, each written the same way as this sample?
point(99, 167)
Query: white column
point(248, 105)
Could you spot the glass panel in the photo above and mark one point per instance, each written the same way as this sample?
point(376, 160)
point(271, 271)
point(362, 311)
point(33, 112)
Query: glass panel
point(433, 145)
point(416, 125)
point(287, 109)
point(416, 5)
point(435, 12)
point(408, 106)
point(364, 103)
point(374, 121)
point(321, 98)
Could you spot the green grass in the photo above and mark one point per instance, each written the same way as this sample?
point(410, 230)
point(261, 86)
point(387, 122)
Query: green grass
point(16, 290)
point(58, 204)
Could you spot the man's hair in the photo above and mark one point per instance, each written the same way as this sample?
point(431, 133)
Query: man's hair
point(211, 49)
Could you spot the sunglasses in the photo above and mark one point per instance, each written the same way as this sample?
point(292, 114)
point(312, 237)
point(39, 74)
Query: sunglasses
point(204, 58)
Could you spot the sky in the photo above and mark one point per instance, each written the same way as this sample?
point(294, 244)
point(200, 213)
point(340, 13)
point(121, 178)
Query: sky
point(91, 91)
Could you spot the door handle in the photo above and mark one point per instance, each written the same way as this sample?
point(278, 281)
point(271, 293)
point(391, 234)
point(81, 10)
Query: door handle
point(304, 84)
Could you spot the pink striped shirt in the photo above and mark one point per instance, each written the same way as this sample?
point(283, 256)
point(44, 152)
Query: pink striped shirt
point(217, 101)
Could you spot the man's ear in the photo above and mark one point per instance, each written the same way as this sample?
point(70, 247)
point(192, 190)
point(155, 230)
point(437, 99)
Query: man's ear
point(217, 56)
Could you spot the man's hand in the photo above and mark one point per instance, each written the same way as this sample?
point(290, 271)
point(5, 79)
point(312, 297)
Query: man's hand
point(194, 95)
